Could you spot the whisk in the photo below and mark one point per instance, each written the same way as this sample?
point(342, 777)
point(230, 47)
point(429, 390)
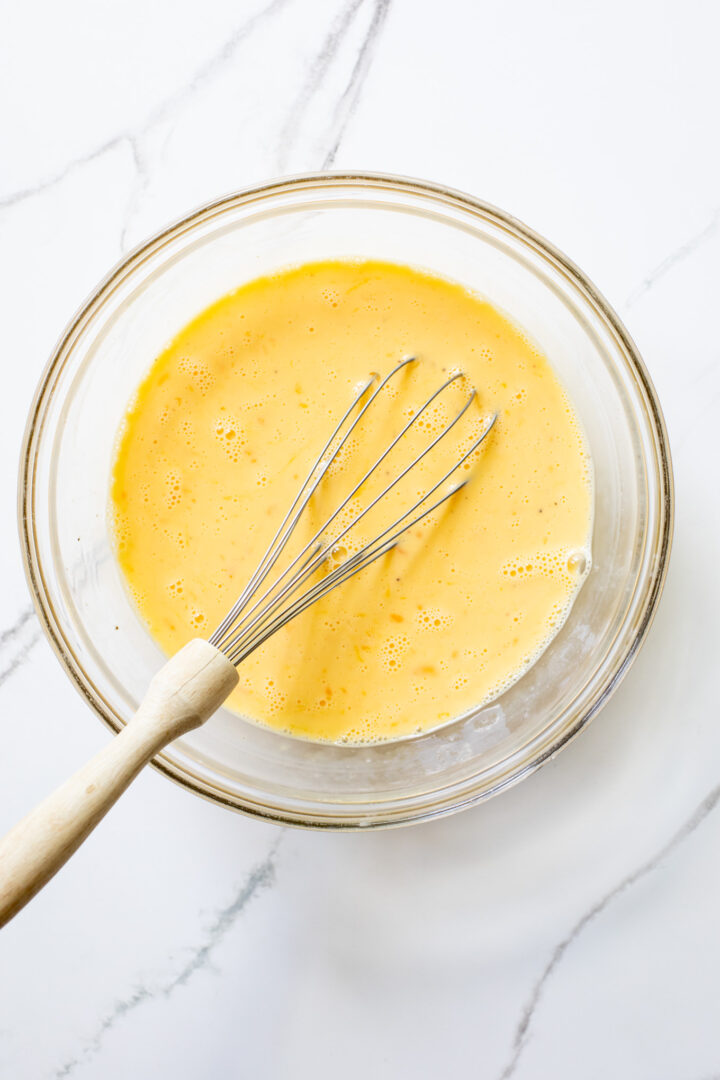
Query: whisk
point(195, 682)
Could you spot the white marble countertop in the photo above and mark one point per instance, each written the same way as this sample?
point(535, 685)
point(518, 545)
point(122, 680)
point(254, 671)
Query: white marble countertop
point(567, 929)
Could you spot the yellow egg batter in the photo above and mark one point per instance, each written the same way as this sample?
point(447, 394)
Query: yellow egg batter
point(224, 429)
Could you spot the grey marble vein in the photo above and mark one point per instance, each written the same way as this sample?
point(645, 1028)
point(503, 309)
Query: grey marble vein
point(347, 104)
point(677, 256)
point(19, 658)
point(211, 68)
point(12, 631)
point(341, 115)
point(522, 1030)
point(142, 180)
point(207, 71)
point(313, 81)
point(260, 878)
point(17, 642)
point(51, 181)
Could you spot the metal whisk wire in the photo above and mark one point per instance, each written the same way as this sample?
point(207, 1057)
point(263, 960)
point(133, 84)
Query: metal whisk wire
point(251, 622)
point(319, 554)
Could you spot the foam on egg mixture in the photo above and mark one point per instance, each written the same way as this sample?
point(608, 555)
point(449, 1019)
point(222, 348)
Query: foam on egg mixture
point(229, 419)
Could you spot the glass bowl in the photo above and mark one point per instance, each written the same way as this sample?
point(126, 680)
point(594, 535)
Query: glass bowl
point(149, 296)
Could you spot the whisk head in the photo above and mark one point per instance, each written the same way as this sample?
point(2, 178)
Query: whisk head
point(262, 609)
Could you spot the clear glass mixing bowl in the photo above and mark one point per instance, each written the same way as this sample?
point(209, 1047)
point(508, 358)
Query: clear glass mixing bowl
point(112, 341)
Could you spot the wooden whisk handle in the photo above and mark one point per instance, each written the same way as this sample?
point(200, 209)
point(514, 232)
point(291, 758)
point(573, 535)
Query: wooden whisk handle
point(183, 694)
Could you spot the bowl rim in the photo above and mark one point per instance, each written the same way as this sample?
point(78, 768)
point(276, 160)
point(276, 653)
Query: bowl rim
point(295, 183)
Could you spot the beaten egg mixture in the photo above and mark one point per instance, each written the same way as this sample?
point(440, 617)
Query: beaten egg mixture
point(229, 419)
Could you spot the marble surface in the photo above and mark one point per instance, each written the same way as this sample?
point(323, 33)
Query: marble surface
point(567, 929)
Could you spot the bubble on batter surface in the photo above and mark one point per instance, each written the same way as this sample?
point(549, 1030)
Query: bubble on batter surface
point(547, 563)
point(391, 651)
point(173, 487)
point(229, 435)
point(202, 378)
point(275, 699)
point(433, 618)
